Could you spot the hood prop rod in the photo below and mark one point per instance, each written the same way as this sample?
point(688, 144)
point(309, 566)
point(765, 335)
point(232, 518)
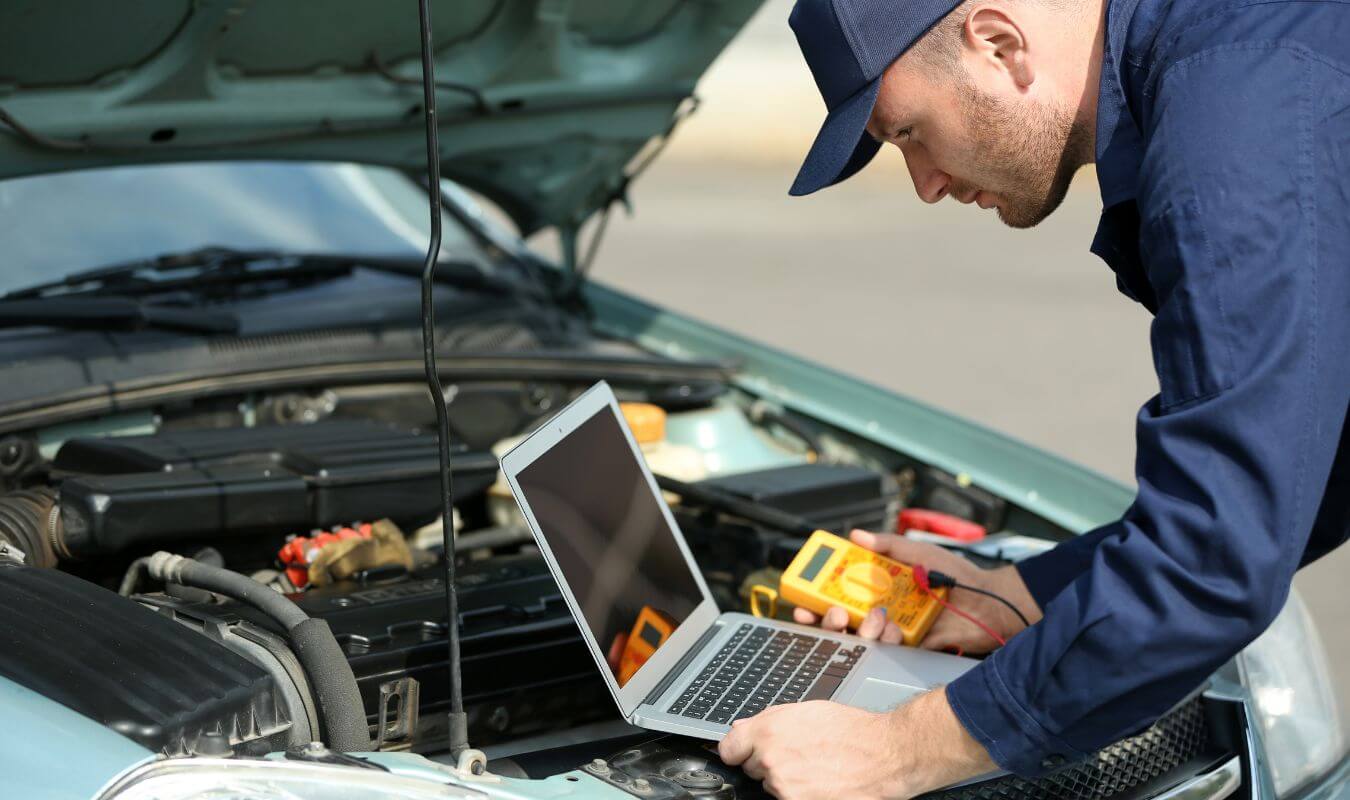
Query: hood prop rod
point(459, 726)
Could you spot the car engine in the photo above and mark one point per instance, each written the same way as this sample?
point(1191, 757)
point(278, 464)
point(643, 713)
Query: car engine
point(277, 483)
point(242, 575)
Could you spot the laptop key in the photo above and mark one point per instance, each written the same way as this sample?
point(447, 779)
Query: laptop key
point(824, 688)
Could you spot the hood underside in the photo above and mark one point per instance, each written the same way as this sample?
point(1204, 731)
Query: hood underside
point(541, 107)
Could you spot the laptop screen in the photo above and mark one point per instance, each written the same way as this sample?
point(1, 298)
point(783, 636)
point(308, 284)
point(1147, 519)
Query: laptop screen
point(609, 537)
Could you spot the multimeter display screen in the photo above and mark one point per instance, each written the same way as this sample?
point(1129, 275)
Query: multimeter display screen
point(607, 532)
point(817, 561)
point(650, 635)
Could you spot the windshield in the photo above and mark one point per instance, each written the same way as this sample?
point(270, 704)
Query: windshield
point(56, 224)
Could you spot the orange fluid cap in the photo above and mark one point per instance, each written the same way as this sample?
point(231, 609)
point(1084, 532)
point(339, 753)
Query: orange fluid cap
point(648, 422)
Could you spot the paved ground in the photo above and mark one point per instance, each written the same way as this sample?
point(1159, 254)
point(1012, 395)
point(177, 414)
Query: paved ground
point(1021, 331)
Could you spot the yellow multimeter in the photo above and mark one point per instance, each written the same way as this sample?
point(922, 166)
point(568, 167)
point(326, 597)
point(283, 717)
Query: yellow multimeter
point(650, 631)
point(832, 571)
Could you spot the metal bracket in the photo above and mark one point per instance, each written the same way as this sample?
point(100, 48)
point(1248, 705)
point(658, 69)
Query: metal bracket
point(12, 554)
point(398, 732)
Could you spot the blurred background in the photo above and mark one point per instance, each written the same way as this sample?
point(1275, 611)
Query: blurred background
point(1022, 331)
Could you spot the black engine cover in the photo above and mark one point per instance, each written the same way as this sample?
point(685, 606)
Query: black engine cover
point(140, 490)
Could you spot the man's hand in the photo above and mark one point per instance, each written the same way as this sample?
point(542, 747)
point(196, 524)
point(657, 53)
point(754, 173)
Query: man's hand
point(949, 632)
point(827, 750)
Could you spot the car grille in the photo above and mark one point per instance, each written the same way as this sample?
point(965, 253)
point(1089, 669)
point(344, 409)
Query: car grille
point(1174, 740)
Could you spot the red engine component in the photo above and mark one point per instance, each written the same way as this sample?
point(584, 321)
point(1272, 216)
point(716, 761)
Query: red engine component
point(922, 519)
point(299, 551)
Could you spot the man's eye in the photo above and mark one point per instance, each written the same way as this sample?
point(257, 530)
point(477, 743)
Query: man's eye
point(903, 134)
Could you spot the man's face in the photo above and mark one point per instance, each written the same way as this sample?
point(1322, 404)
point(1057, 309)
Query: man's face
point(987, 144)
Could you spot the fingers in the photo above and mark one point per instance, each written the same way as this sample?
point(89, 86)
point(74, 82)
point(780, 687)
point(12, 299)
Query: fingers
point(876, 542)
point(873, 624)
point(902, 549)
point(754, 767)
point(737, 745)
point(836, 619)
point(897, 546)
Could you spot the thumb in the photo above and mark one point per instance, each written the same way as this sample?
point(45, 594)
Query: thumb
point(737, 745)
point(906, 551)
point(876, 542)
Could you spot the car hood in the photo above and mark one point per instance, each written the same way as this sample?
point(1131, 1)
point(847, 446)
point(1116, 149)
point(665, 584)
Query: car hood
point(542, 106)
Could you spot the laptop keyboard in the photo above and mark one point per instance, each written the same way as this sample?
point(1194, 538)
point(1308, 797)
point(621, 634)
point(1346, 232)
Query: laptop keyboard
point(761, 667)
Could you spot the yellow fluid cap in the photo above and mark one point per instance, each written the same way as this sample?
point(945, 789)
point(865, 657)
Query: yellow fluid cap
point(647, 421)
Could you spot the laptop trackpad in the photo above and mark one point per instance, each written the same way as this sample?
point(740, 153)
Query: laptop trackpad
point(875, 694)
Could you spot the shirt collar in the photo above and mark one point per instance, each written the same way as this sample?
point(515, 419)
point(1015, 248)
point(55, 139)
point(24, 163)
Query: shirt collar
point(1119, 148)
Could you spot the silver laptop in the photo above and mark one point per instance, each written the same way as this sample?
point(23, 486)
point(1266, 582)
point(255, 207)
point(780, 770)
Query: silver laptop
point(627, 574)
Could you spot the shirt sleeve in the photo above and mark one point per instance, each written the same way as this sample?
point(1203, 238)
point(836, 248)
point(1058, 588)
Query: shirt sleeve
point(1234, 452)
point(1047, 574)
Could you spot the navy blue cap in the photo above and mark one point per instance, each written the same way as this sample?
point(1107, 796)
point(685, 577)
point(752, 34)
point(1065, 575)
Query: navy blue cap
point(847, 45)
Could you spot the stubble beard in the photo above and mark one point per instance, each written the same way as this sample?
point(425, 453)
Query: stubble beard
point(1028, 156)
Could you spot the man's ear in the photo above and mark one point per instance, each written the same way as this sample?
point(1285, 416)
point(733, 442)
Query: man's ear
point(998, 41)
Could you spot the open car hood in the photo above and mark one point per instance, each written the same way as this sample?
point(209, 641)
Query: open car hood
point(551, 98)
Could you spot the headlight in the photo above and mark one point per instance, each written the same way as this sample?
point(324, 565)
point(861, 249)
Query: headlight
point(225, 779)
point(1287, 674)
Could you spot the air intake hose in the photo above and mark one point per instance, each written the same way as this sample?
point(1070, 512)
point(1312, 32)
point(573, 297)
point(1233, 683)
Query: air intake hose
point(28, 522)
point(344, 716)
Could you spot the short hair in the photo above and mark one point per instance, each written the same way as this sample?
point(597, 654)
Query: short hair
point(939, 49)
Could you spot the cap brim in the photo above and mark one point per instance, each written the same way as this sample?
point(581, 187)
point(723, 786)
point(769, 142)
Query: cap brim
point(843, 145)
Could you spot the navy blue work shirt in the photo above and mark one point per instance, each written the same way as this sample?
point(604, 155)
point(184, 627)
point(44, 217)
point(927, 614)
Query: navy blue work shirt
point(1223, 154)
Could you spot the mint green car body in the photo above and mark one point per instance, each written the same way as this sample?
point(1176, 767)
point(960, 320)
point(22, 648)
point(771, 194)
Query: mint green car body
point(573, 91)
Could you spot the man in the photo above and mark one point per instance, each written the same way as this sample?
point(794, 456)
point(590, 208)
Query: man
point(1221, 136)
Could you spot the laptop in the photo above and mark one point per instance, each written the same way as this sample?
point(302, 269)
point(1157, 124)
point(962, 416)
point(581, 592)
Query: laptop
point(673, 662)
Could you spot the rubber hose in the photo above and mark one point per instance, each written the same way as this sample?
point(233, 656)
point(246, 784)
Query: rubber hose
point(231, 584)
point(762, 413)
point(339, 698)
point(25, 517)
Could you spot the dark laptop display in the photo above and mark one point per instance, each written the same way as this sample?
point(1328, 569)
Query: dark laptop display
point(607, 532)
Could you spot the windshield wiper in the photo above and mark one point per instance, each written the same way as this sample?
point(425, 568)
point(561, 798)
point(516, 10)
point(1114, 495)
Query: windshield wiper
point(82, 312)
point(215, 269)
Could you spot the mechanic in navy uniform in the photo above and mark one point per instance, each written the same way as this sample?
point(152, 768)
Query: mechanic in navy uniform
point(1220, 130)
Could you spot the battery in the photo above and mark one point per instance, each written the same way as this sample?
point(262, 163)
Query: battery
point(833, 497)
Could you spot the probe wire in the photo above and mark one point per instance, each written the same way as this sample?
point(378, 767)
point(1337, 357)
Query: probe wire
point(963, 615)
point(1005, 601)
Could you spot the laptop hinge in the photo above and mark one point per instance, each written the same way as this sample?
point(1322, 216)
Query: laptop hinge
point(680, 666)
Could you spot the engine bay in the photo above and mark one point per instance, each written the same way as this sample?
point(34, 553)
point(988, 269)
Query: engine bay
point(330, 498)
